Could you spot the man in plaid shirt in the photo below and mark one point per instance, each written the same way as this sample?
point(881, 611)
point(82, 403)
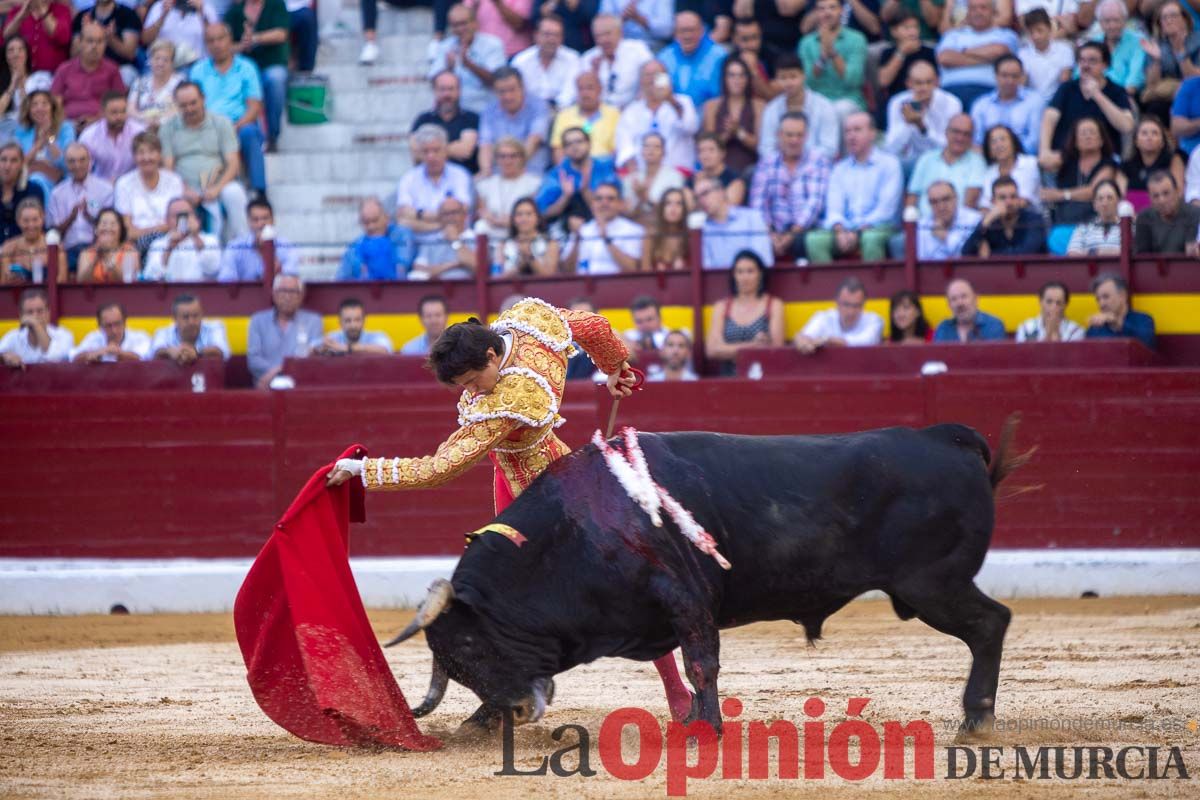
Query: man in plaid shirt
point(790, 188)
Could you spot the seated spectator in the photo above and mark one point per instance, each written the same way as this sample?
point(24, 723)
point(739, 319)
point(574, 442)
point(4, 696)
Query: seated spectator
point(666, 244)
point(302, 28)
point(863, 199)
point(36, 341)
point(151, 98)
point(729, 229)
point(844, 325)
point(734, 114)
point(1087, 160)
point(1010, 104)
point(122, 32)
point(182, 24)
point(384, 252)
point(43, 135)
point(1193, 178)
point(83, 81)
point(229, 87)
point(284, 331)
point(423, 188)
point(471, 55)
point(514, 114)
point(112, 258)
point(190, 337)
point(260, 30)
point(861, 17)
point(202, 148)
point(434, 313)
point(824, 131)
point(351, 338)
point(527, 250)
point(1169, 225)
point(674, 360)
point(642, 20)
point(658, 109)
point(112, 341)
point(242, 259)
point(617, 61)
point(917, 118)
point(710, 152)
point(577, 21)
point(507, 20)
point(907, 49)
point(110, 139)
point(1051, 325)
point(588, 114)
point(1006, 158)
point(568, 189)
point(956, 163)
point(1153, 149)
point(548, 68)
point(968, 323)
point(648, 334)
point(1008, 227)
point(13, 189)
point(1171, 56)
point(75, 203)
point(1049, 62)
point(748, 46)
point(608, 243)
point(909, 325)
point(694, 62)
point(789, 190)
point(449, 254)
point(1115, 317)
point(644, 186)
point(17, 79)
point(1091, 95)
point(185, 254)
point(1185, 115)
point(461, 126)
point(749, 317)
point(142, 196)
point(944, 232)
point(967, 54)
point(45, 25)
point(25, 257)
point(1102, 235)
point(1124, 43)
point(496, 194)
point(834, 57)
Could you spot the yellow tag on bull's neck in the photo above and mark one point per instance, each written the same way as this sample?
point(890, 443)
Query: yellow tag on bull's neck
point(507, 531)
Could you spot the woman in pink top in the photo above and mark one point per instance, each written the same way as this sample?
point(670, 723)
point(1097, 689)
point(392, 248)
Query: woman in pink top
point(507, 20)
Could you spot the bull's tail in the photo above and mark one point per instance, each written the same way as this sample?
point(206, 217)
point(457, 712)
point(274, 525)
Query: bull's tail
point(1005, 461)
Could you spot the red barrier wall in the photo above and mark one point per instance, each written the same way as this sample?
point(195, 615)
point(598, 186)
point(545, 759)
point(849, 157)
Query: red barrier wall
point(203, 475)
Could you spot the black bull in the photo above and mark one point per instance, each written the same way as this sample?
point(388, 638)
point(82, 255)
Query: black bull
point(808, 523)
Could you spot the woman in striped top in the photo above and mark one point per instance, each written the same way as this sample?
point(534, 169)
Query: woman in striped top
point(1101, 236)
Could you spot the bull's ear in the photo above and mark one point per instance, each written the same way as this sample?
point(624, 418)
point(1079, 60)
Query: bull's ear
point(441, 592)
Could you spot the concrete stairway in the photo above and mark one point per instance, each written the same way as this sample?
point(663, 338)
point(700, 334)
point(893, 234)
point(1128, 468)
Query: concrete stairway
point(321, 172)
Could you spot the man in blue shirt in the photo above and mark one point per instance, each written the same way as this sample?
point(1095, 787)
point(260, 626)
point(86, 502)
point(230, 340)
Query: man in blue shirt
point(692, 60)
point(1011, 104)
point(383, 253)
point(434, 312)
point(1115, 317)
point(567, 189)
point(242, 259)
point(1185, 114)
point(517, 113)
point(968, 324)
point(350, 339)
point(232, 89)
point(285, 331)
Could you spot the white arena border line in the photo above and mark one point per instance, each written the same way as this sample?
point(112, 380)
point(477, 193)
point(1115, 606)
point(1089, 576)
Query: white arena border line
point(94, 586)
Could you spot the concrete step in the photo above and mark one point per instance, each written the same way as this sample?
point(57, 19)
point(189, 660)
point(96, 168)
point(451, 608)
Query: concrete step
point(327, 228)
point(331, 196)
point(396, 105)
point(410, 48)
point(356, 77)
point(347, 21)
point(386, 161)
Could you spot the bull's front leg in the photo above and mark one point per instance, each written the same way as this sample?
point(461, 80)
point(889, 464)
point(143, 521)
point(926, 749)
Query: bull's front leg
point(701, 648)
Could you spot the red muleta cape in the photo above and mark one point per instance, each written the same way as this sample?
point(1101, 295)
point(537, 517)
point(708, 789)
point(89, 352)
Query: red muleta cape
point(312, 660)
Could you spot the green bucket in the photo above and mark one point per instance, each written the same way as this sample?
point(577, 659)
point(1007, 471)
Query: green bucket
point(308, 100)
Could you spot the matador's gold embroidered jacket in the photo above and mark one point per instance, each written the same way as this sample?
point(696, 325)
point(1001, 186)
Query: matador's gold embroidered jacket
point(516, 420)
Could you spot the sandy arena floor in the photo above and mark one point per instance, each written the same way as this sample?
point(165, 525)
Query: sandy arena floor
point(157, 706)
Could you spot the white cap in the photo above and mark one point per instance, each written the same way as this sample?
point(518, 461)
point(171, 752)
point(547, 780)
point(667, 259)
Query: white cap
point(1125, 209)
point(268, 233)
point(912, 214)
point(52, 238)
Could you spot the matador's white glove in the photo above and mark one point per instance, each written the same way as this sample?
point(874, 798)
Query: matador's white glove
point(352, 465)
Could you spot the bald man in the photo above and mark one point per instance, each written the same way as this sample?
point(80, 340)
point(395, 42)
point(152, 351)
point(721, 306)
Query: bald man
point(616, 61)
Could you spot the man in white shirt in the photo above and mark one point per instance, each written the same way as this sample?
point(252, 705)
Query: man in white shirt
point(36, 341)
point(918, 116)
point(424, 188)
point(191, 336)
point(609, 243)
point(728, 230)
point(661, 110)
point(112, 340)
point(648, 333)
point(76, 201)
point(823, 131)
point(548, 68)
point(942, 233)
point(616, 61)
point(471, 55)
point(650, 21)
point(845, 325)
point(185, 254)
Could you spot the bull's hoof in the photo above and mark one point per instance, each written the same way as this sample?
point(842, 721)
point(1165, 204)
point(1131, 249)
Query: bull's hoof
point(472, 730)
point(683, 709)
point(978, 727)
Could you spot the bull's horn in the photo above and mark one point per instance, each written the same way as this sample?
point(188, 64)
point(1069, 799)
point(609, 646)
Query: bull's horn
point(440, 595)
point(437, 690)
